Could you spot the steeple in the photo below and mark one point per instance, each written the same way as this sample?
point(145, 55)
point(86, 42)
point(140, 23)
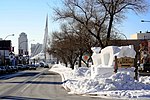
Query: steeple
point(45, 38)
point(44, 45)
point(46, 26)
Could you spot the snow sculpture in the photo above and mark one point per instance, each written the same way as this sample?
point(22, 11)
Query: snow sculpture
point(96, 55)
point(126, 51)
point(103, 63)
point(107, 55)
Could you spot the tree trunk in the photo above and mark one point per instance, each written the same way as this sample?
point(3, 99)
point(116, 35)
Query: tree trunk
point(100, 42)
point(72, 66)
point(66, 64)
point(109, 29)
point(80, 59)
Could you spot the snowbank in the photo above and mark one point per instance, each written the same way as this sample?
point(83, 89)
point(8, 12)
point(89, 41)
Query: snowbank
point(100, 79)
point(119, 85)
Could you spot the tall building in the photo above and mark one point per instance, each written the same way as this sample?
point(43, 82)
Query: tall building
point(23, 44)
point(140, 35)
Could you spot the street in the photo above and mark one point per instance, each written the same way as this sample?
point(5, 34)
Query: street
point(39, 84)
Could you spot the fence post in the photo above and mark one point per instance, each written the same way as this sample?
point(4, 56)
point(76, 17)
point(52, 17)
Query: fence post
point(116, 65)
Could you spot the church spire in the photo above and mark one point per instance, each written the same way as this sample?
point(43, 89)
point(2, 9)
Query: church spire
point(46, 26)
point(45, 38)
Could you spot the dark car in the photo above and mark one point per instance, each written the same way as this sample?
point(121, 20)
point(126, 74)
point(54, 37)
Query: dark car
point(32, 67)
point(3, 69)
point(9, 69)
point(20, 66)
point(46, 65)
point(41, 64)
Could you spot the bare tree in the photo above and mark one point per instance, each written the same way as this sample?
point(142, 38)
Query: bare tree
point(63, 46)
point(84, 42)
point(98, 16)
point(88, 13)
point(116, 9)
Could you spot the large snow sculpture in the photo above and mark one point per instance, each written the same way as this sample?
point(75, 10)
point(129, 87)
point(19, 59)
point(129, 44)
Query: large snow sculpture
point(103, 63)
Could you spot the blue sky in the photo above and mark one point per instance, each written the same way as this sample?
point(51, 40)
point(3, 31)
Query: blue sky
point(29, 16)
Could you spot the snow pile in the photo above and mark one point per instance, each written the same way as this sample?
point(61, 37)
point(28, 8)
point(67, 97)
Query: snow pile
point(66, 73)
point(82, 72)
point(120, 85)
point(145, 79)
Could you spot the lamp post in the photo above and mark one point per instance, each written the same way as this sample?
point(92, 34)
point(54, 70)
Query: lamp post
point(4, 50)
point(145, 21)
point(8, 36)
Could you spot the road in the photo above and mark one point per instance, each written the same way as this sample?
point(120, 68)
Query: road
point(39, 84)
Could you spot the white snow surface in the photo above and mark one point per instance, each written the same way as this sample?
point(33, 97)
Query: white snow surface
point(120, 85)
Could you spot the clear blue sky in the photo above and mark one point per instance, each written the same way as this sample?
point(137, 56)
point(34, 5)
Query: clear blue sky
point(29, 16)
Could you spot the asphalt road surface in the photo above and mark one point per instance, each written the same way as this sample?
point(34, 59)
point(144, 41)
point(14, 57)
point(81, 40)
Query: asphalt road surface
point(39, 84)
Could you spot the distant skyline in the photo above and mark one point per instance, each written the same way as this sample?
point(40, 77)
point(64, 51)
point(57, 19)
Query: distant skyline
point(29, 16)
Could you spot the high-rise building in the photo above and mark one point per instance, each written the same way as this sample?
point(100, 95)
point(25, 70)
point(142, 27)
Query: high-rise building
point(23, 44)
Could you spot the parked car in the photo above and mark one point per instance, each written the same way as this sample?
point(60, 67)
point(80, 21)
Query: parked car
point(41, 64)
point(20, 66)
point(46, 65)
point(25, 67)
point(9, 69)
point(15, 68)
point(32, 67)
point(3, 69)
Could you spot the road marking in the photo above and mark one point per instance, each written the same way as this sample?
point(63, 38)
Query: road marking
point(35, 78)
point(21, 85)
point(32, 78)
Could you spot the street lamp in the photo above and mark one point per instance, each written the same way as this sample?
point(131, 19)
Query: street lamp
point(4, 50)
point(8, 36)
point(145, 21)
